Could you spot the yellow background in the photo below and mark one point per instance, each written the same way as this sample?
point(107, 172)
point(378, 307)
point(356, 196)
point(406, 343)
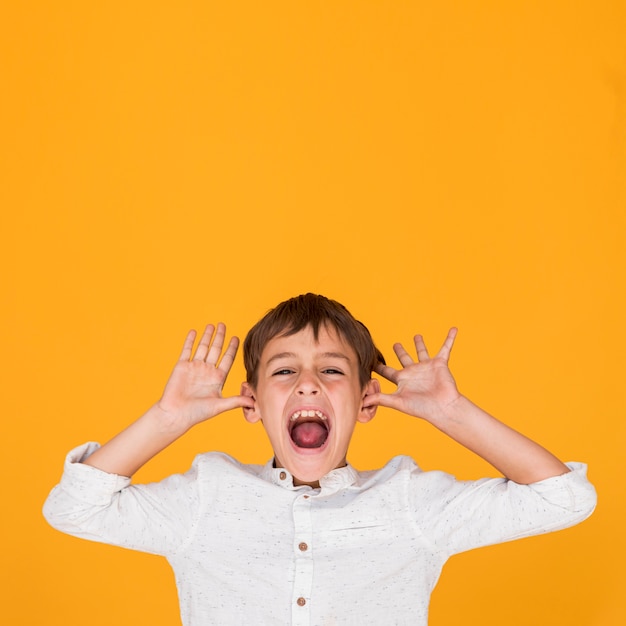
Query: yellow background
point(165, 164)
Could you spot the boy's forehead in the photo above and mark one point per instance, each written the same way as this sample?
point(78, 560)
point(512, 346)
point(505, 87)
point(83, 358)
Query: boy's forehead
point(329, 342)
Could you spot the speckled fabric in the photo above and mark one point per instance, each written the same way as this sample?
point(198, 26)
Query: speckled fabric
point(366, 548)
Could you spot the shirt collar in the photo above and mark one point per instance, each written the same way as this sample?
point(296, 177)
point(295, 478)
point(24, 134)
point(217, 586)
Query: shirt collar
point(335, 480)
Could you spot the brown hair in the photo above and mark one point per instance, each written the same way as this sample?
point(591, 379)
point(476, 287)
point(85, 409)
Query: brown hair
point(294, 315)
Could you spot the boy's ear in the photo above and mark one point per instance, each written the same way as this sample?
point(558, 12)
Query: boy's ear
point(368, 411)
point(252, 415)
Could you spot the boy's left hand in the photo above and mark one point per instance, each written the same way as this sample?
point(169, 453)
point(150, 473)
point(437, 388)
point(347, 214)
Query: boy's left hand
point(425, 386)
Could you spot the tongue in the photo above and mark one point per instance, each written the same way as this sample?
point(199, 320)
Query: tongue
point(309, 435)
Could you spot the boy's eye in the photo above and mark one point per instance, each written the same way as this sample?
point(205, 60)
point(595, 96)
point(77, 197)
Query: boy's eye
point(332, 370)
point(282, 372)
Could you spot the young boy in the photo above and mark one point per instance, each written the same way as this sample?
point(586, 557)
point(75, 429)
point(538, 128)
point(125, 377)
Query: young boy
point(307, 539)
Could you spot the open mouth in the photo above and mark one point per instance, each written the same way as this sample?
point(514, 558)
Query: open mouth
point(309, 428)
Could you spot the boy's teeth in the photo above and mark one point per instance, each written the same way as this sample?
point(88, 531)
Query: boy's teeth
point(309, 413)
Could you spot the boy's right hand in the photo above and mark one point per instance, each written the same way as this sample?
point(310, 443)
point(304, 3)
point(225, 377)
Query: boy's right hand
point(193, 392)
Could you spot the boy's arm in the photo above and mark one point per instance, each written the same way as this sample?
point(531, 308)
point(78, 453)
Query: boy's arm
point(192, 395)
point(426, 389)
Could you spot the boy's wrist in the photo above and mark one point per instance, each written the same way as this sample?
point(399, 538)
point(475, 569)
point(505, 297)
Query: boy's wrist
point(452, 411)
point(167, 422)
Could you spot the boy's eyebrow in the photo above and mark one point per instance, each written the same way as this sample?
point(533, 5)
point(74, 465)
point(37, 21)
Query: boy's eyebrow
point(324, 355)
point(334, 355)
point(280, 355)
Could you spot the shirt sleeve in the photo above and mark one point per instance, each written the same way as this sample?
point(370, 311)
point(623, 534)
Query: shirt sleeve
point(95, 505)
point(462, 515)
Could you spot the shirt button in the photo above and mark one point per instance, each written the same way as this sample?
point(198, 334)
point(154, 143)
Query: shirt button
point(303, 547)
point(306, 497)
point(283, 475)
point(301, 601)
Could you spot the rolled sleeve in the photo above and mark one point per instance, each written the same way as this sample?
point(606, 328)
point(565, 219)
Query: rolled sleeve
point(469, 515)
point(95, 505)
point(572, 492)
point(85, 483)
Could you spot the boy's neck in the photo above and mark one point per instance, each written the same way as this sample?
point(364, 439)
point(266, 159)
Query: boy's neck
point(300, 483)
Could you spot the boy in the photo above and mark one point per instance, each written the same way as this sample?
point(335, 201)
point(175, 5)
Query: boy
point(307, 539)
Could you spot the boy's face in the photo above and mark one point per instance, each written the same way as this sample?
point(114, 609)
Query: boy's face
point(309, 398)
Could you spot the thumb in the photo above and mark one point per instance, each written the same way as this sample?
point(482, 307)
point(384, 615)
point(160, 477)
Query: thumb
point(235, 402)
point(388, 400)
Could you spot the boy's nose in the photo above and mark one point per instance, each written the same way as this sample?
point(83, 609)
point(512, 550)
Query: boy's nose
point(307, 385)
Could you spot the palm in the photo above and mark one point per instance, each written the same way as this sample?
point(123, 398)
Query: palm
point(194, 389)
point(423, 387)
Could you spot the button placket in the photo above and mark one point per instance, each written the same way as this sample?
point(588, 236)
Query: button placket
point(303, 579)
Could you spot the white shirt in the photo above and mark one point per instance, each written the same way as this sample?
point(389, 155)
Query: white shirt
point(366, 548)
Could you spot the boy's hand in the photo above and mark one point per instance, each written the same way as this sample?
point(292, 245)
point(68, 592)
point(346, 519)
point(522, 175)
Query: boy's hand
point(426, 387)
point(193, 392)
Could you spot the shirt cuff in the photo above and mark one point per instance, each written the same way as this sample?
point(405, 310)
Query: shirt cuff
point(86, 483)
point(572, 490)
